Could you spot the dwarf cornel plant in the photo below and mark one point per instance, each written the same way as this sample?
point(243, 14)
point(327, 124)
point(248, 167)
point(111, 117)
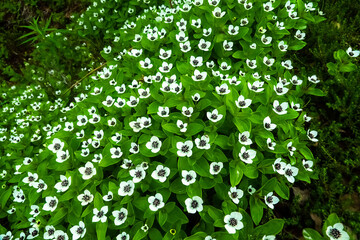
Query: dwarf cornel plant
point(192, 130)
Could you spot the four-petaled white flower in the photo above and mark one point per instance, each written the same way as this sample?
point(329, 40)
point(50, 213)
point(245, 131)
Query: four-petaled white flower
point(227, 45)
point(126, 188)
point(287, 64)
point(99, 215)
point(312, 135)
point(187, 111)
point(279, 166)
point(282, 46)
point(223, 89)
point(181, 125)
point(244, 138)
point(268, 61)
point(51, 203)
point(233, 222)
point(184, 148)
point(251, 63)
point(108, 102)
point(268, 125)
point(241, 102)
point(247, 156)
point(163, 111)
point(352, 53)
point(161, 173)
point(291, 148)
point(203, 142)
point(189, 177)
point(337, 232)
point(307, 165)
point(31, 179)
point(199, 76)
point(290, 172)
point(78, 231)
point(270, 144)
point(56, 145)
point(194, 204)
point(154, 144)
point(49, 232)
point(64, 184)
point(313, 79)
point(266, 40)
point(204, 45)
point(116, 152)
point(138, 173)
point(59, 234)
point(218, 13)
point(85, 198)
point(123, 236)
point(146, 63)
point(120, 216)
point(235, 194)
point(268, 237)
point(156, 202)
point(215, 167)
point(280, 89)
point(271, 200)
point(88, 171)
point(214, 116)
point(280, 108)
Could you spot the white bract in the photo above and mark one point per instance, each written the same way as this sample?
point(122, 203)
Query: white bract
point(194, 204)
point(337, 232)
point(271, 200)
point(233, 222)
point(156, 202)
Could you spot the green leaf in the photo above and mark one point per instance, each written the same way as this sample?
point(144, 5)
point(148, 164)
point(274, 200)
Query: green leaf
point(315, 92)
point(348, 67)
point(154, 234)
point(236, 175)
point(215, 213)
point(162, 217)
point(311, 234)
point(299, 45)
point(55, 219)
point(101, 230)
point(256, 210)
point(272, 227)
point(282, 190)
point(5, 197)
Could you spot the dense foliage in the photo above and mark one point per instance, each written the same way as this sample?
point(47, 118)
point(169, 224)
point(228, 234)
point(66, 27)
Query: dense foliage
point(192, 124)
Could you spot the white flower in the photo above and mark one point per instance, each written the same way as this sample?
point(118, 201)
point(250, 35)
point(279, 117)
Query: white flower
point(120, 216)
point(287, 64)
point(300, 35)
point(282, 46)
point(280, 89)
point(268, 125)
point(194, 204)
point(280, 108)
point(120, 89)
point(307, 165)
point(244, 22)
point(233, 222)
point(185, 47)
point(290, 172)
point(196, 23)
point(218, 13)
point(64, 184)
point(336, 232)
point(166, 54)
point(268, 237)
point(266, 40)
point(34, 210)
point(313, 79)
point(271, 145)
point(88, 171)
point(189, 177)
point(40, 186)
point(235, 194)
point(123, 236)
point(289, 6)
point(209, 238)
point(51, 203)
point(293, 15)
point(138, 174)
point(199, 76)
point(146, 63)
point(295, 81)
point(31, 179)
point(296, 106)
point(181, 125)
point(247, 156)
point(56, 145)
point(222, 89)
point(184, 148)
point(59, 234)
point(133, 101)
point(251, 63)
point(161, 173)
point(280, 25)
point(244, 138)
point(196, 61)
point(204, 45)
point(163, 111)
point(108, 102)
point(156, 202)
point(271, 200)
point(215, 167)
point(257, 86)
point(352, 53)
point(145, 228)
point(99, 215)
point(242, 102)
point(279, 166)
point(251, 190)
point(228, 45)
point(116, 152)
point(7, 236)
point(214, 116)
point(268, 61)
point(187, 111)
point(126, 188)
point(312, 135)
point(203, 142)
point(49, 232)
point(196, 97)
point(33, 233)
point(134, 148)
point(85, 198)
point(268, 7)
point(95, 119)
point(78, 231)
point(154, 144)
point(291, 148)
point(233, 30)
point(82, 120)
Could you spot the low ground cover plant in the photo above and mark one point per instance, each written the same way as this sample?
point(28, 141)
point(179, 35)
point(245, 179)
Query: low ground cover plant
point(194, 127)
